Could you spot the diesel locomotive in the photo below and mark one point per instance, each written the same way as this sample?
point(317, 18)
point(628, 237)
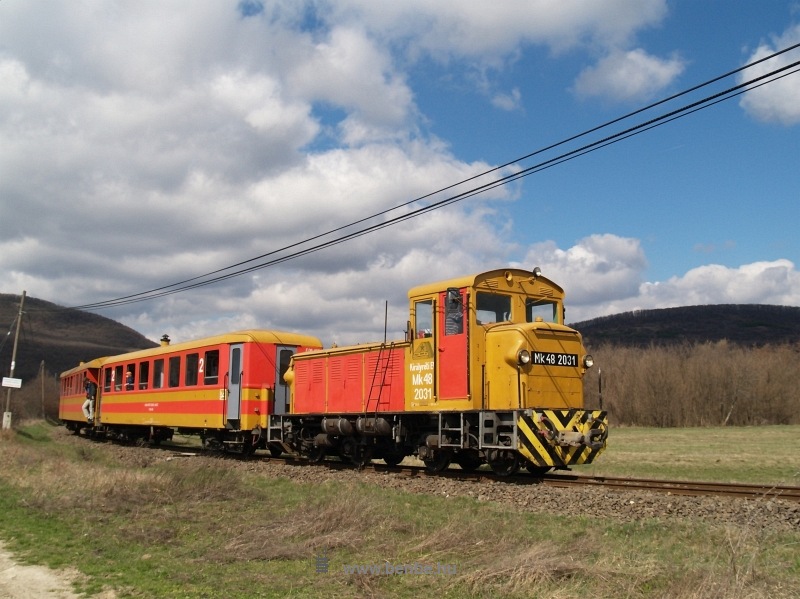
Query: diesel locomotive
point(487, 373)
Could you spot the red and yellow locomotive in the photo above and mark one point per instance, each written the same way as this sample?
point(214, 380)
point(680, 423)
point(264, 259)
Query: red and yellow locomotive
point(487, 373)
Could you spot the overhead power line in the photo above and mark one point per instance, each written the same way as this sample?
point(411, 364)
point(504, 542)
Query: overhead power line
point(279, 255)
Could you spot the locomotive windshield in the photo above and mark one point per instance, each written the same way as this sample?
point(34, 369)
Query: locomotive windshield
point(492, 307)
point(547, 310)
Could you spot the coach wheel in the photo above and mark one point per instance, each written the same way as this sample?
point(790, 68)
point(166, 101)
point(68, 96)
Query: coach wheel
point(440, 461)
point(537, 470)
point(468, 459)
point(275, 451)
point(503, 462)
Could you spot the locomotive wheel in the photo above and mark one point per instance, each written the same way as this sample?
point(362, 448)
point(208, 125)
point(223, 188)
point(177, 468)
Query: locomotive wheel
point(468, 460)
point(361, 456)
point(393, 459)
point(503, 462)
point(315, 455)
point(440, 461)
point(537, 470)
point(275, 451)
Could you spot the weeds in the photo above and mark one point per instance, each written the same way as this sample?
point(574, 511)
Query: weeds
point(201, 528)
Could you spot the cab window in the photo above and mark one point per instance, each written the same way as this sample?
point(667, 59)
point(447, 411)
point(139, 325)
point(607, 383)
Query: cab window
point(492, 307)
point(547, 310)
point(453, 313)
point(423, 312)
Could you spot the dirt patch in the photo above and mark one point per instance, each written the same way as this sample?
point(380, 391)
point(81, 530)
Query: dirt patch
point(33, 582)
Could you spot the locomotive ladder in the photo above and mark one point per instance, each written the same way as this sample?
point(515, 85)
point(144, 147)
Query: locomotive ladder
point(382, 364)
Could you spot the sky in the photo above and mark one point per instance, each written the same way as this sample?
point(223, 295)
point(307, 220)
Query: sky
point(143, 144)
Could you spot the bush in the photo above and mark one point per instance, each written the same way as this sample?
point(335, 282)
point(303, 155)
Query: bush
point(702, 384)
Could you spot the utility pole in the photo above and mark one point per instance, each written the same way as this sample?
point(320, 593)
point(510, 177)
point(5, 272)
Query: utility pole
point(41, 379)
point(7, 413)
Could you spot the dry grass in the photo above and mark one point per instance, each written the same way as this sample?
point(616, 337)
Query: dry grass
point(180, 528)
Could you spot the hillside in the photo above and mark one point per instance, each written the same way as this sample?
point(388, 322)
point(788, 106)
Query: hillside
point(60, 336)
point(742, 324)
point(64, 337)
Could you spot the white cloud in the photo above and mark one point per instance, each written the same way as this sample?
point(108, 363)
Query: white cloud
point(631, 75)
point(778, 100)
point(142, 145)
point(597, 269)
point(510, 101)
point(775, 282)
point(488, 32)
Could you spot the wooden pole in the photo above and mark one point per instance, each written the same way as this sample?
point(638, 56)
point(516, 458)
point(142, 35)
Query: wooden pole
point(7, 414)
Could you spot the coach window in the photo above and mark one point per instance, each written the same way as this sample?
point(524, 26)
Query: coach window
point(547, 310)
point(423, 312)
point(175, 371)
point(107, 379)
point(118, 378)
point(492, 307)
point(158, 374)
point(192, 365)
point(211, 374)
point(144, 374)
point(284, 359)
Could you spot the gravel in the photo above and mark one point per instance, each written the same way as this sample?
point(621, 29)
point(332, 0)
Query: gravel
point(763, 514)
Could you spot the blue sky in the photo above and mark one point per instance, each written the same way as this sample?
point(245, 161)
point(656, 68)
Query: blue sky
point(142, 145)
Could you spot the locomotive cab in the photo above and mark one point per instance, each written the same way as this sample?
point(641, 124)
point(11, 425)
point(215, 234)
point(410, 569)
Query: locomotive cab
point(493, 341)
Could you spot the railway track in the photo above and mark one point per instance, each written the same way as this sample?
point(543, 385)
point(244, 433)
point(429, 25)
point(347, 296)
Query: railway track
point(673, 487)
point(670, 487)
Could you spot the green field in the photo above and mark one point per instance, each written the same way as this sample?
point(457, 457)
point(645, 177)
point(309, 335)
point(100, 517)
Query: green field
point(750, 454)
point(203, 529)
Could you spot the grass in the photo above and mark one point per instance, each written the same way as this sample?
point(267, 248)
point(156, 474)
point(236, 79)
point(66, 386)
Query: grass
point(199, 528)
point(759, 455)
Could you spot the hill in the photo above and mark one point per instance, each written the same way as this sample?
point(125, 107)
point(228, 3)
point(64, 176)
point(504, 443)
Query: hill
point(743, 324)
point(62, 337)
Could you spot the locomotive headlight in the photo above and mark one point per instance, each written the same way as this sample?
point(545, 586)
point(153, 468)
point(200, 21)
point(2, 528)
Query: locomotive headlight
point(523, 357)
point(588, 361)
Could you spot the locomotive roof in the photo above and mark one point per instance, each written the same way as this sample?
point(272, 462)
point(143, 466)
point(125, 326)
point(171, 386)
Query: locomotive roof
point(480, 279)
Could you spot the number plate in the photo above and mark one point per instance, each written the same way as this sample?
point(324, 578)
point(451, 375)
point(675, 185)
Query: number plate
point(545, 358)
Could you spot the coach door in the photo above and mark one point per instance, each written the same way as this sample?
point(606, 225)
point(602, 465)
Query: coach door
point(282, 360)
point(234, 407)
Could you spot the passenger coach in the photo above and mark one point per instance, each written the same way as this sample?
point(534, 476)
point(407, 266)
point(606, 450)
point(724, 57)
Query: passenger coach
point(222, 388)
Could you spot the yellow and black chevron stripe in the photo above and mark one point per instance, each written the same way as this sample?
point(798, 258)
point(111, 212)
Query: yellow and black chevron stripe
point(535, 432)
